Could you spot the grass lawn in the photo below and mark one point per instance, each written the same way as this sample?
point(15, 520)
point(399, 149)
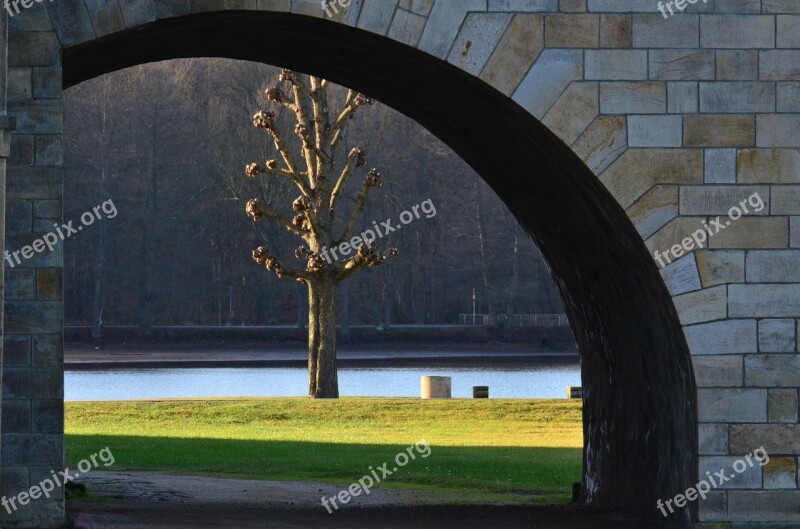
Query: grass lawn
point(483, 448)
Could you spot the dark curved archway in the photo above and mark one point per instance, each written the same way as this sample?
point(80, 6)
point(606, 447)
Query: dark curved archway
point(640, 401)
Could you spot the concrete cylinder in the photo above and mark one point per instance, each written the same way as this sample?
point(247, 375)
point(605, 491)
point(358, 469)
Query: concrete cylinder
point(435, 388)
point(480, 392)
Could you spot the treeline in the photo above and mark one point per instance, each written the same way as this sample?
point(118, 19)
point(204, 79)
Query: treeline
point(168, 143)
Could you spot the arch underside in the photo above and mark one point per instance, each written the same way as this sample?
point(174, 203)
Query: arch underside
point(640, 407)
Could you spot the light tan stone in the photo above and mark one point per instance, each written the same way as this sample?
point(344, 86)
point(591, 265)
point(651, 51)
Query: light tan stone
point(723, 371)
point(638, 170)
point(572, 31)
point(521, 44)
point(601, 143)
point(703, 305)
point(654, 210)
point(776, 166)
point(717, 267)
point(753, 232)
point(719, 131)
point(573, 111)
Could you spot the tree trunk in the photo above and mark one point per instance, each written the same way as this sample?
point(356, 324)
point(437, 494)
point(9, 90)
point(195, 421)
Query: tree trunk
point(322, 371)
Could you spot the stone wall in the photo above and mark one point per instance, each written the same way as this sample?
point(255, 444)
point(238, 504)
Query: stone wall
point(679, 118)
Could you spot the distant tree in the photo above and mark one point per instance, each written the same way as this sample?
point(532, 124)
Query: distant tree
point(322, 186)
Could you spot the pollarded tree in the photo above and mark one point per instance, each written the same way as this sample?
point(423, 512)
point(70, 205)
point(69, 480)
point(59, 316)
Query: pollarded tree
point(322, 183)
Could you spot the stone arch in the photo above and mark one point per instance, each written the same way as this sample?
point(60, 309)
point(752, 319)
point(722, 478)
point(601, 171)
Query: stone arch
point(640, 413)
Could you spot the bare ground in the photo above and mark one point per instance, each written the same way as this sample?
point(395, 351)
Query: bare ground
point(149, 500)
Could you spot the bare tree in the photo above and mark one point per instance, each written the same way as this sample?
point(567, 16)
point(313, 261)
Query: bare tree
point(321, 191)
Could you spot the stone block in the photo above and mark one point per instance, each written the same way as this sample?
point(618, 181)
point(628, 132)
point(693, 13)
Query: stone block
point(775, 336)
point(778, 130)
point(616, 65)
point(780, 6)
point(572, 6)
point(772, 370)
point(654, 210)
point(547, 80)
point(16, 416)
point(17, 383)
point(717, 267)
point(718, 371)
point(737, 97)
point(572, 31)
point(616, 31)
point(440, 31)
point(637, 170)
point(18, 216)
point(34, 182)
point(719, 199)
point(763, 301)
point(737, 31)
point(720, 166)
point(719, 131)
point(521, 44)
point(108, 19)
point(681, 65)
point(47, 350)
point(713, 508)
point(573, 112)
point(712, 439)
point(524, 5)
point(653, 31)
point(375, 17)
point(702, 305)
point(419, 7)
point(48, 283)
point(788, 97)
point(737, 65)
point(749, 478)
point(47, 83)
point(682, 98)
point(782, 405)
point(794, 232)
point(406, 27)
point(654, 131)
point(42, 119)
point(33, 317)
point(667, 243)
point(33, 48)
point(779, 65)
point(48, 416)
point(781, 473)
point(777, 266)
point(681, 276)
point(764, 506)
point(775, 166)
point(620, 6)
point(49, 150)
point(22, 152)
point(13, 480)
point(602, 143)
point(722, 337)
point(47, 383)
point(20, 283)
point(176, 8)
point(20, 84)
point(633, 98)
point(788, 28)
point(16, 351)
point(477, 39)
point(737, 6)
point(732, 406)
point(71, 21)
point(775, 438)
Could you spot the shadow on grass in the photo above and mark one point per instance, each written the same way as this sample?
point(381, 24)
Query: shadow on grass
point(535, 471)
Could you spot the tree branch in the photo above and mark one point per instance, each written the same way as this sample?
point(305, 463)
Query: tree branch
point(366, 256)
point(256, 210)
point(356, 158)
point(373, 179)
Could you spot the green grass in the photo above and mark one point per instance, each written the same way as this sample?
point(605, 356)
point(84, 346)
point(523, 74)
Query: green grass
point(483, 448)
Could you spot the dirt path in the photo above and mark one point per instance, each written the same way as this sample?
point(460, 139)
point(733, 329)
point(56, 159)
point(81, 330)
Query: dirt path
point(149, 500)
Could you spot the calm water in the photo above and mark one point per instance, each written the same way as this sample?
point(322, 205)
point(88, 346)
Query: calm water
point(528, 382)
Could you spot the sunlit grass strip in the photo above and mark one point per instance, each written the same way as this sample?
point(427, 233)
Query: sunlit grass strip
point(530, 447)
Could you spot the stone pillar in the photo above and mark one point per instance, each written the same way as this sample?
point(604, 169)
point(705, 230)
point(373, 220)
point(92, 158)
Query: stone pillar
point(33, 379)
